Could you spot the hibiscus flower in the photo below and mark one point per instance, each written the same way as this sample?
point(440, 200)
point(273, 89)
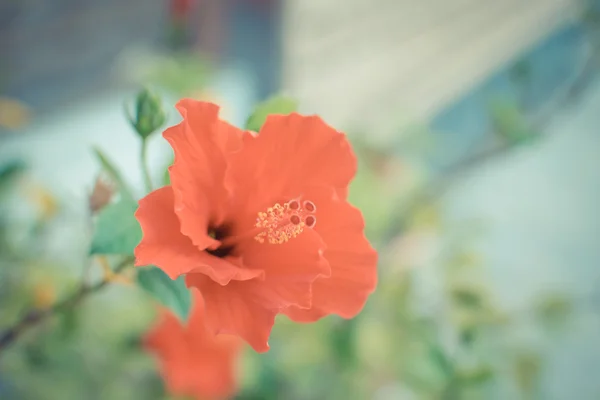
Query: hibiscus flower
point(259, 223)
point(194, 362)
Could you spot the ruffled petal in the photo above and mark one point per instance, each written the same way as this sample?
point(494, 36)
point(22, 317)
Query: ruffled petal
point(192, 361)
point(290, 269)
point(201, 143)
point(165, 246)
point(213, 357)
point(290, 153)
point(230, 310)
point(166, 337)
point(352, 259)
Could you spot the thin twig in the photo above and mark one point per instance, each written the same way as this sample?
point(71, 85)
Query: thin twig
point(538, 122)
point(35, 317)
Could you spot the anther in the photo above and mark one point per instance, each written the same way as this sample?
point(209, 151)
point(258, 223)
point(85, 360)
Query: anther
point(293, 205)
point(310, 221)
point(281, 223)
point(309, 206)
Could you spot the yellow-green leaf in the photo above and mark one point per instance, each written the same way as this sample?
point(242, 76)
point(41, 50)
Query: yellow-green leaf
point(113, 173)
point(273, 105)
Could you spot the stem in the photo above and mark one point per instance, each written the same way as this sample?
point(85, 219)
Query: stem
point(144, 163)
point(35, 317)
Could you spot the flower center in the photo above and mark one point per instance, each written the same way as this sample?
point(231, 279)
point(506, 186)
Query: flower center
point(281, 223)
point(278, 223)
point(220, 233)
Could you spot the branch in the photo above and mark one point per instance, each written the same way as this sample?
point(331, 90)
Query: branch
point(538, 122)
point(36, 317)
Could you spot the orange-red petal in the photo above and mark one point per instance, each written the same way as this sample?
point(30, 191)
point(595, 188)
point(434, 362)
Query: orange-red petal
point(165, 246)
point(231, 310)
point(193, 361)
point(352, 259)
point(290, 269)
point(172, 346)
point(290, 153)
point(201, 143)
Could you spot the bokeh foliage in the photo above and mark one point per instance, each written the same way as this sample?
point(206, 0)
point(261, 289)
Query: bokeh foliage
point(433, 329)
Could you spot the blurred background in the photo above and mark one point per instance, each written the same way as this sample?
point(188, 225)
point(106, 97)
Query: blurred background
point(476, 125)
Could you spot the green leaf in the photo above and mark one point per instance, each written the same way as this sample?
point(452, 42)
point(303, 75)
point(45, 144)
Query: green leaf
point(109, 167)
point(9, 172)
point(117, 231)
point(527, 369)
point(171, 293)
point(475, 376)
point(11, 169)
point(510, 122)
point(467, 335)
point(467, 296)
point(344, 335)
point(438, 356)
point(553, 310)
point(181, 73)
point(273, 105)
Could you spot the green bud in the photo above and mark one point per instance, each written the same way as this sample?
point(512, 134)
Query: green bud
point(149, 113)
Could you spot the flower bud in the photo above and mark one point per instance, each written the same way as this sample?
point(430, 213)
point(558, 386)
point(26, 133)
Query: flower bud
point(149, 113)
point(44, 295)
point(101, 195)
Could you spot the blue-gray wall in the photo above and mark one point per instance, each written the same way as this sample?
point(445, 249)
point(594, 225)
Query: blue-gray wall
point(530, 81)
